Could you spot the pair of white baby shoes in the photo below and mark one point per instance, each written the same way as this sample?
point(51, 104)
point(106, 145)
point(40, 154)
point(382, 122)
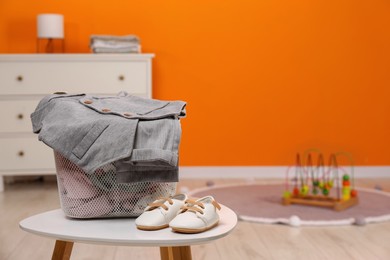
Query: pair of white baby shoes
point(183, 215)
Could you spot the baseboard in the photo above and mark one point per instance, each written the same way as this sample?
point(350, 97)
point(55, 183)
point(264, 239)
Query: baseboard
point(275, 172)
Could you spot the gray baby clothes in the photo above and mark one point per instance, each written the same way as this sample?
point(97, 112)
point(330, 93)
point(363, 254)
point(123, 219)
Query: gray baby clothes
point(140, 136)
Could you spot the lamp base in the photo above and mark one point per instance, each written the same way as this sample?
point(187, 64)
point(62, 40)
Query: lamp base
point(50, 45)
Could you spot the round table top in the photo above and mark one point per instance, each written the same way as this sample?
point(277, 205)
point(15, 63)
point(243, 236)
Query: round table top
point(120, 231)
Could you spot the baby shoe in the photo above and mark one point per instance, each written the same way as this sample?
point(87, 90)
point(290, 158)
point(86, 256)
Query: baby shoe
point(196, 216)
point(160, 212)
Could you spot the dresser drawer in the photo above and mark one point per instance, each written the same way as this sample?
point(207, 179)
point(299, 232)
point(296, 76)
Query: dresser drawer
point(25, 153)
point(99, 77)
point(15, 115)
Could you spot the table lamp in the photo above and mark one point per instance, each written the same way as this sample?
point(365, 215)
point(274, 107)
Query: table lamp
point(50, 29)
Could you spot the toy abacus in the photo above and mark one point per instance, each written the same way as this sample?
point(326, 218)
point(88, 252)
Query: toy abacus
point(321, 186)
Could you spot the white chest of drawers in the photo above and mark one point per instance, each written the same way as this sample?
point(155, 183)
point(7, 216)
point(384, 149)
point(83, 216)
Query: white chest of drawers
point(26, 78)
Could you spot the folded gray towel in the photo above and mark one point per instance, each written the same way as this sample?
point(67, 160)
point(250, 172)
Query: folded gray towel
point(124, 38)
point(115, 44)
point(132, 49)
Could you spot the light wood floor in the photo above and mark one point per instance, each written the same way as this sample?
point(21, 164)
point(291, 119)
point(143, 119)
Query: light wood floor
point(247, 241)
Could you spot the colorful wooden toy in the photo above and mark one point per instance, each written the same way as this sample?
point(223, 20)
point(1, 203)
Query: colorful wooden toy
point(320, 185)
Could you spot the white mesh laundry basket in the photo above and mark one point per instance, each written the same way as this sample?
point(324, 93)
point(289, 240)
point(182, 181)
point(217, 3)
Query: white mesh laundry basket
point(98, 195)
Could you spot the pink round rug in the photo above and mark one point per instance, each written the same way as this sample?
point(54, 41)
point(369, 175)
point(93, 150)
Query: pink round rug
point(262, 203)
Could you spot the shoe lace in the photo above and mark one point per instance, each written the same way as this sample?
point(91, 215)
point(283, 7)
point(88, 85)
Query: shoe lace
point(196, 206)
point(160, 203)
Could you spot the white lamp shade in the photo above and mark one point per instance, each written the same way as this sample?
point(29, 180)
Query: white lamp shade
point(50, 26)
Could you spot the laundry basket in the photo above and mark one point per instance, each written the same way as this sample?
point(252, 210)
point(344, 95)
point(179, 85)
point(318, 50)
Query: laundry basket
point(98, 195)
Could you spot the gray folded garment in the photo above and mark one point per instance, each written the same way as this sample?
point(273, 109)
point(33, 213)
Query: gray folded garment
point(113, 38)
point(132, 49)
point(113, 44)
point(128, 37)
point(92, 131)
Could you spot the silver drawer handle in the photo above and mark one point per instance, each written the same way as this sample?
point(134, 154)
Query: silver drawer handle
point(121, 77)
point(20, 116)
point(21, 153)
point(19, 78)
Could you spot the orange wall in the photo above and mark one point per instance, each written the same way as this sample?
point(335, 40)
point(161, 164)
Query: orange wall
point(263, 79)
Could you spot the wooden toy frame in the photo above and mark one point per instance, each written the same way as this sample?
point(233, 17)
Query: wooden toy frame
point(338, 203)
point(321, 201)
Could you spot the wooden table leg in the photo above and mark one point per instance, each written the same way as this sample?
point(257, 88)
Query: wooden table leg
point(176, 253)
point(62, 250)
point(164, 253)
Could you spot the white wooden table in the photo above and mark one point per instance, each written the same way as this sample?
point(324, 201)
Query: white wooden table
point(121, 232)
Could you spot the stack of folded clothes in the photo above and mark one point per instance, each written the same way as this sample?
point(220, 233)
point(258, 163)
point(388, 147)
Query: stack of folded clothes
point(114, 154)
point(115, 44)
